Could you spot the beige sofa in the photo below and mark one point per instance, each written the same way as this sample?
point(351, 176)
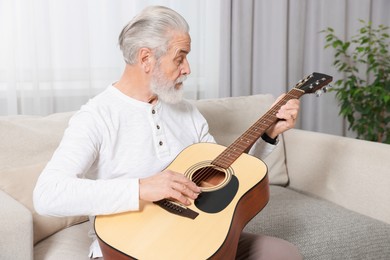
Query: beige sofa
point(330, 195)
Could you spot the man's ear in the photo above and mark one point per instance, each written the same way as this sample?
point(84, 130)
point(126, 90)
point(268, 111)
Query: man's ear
point(145, 57)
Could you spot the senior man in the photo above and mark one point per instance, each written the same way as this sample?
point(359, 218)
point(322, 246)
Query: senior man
point(116, 148)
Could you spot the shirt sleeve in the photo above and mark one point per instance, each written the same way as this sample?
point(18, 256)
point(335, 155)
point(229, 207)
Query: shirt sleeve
point(261, 149)
point(201, 125)
point(62, 190)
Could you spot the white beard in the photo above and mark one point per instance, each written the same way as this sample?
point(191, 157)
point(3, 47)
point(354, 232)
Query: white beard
point(165, 89)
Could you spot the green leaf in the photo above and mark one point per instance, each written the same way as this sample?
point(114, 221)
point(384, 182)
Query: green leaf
point(364, 41)
point(346, 45)
point(337, 43)
point(338, 82)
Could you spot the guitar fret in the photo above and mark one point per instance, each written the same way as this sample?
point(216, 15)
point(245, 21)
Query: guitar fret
point(246, 140)
point(253, 135)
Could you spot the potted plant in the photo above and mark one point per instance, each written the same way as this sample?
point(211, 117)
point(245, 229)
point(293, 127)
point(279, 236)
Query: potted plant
point(364, 92)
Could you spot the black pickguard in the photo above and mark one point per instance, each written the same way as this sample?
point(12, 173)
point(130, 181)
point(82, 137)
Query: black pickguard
point(216, 201)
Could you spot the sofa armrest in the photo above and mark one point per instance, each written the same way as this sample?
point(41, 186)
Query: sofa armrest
point(16, 229)
point(349, 172)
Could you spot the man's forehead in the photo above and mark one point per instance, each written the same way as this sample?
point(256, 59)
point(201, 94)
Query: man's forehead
point(180, 43)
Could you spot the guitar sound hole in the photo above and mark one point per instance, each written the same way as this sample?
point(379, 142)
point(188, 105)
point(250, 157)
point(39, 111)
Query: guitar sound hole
point(208, 177)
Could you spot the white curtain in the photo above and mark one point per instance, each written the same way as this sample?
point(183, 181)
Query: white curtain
point(268, 46)
point(55, 55)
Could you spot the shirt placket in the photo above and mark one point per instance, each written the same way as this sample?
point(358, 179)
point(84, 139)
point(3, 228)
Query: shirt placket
point(160, 140)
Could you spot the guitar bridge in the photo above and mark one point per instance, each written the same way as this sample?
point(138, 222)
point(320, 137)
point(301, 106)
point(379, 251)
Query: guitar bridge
point(176, 208)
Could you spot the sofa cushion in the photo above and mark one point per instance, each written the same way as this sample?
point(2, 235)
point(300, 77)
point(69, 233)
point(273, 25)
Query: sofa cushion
point(321, 229)
point(228, 118)
point(19, 183)
point(30, 142)
point(70, 243)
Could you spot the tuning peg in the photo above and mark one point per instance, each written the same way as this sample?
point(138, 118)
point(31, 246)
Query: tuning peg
point(319, 92)
point(327, 88)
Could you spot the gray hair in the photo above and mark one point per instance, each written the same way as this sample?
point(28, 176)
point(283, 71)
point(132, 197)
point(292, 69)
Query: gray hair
point(150, 29)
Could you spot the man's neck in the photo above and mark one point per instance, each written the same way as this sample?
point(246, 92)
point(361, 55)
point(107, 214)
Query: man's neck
point(153, 99)
point(135, 84)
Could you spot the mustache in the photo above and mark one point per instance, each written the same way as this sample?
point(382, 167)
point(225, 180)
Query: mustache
point(181, 79)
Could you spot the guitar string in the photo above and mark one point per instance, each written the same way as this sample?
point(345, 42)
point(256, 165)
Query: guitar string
point(209, 172)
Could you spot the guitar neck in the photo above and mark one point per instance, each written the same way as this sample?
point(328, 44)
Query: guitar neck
point(249, 137)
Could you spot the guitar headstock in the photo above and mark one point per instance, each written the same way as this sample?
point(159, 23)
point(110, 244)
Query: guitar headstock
point(314, 83)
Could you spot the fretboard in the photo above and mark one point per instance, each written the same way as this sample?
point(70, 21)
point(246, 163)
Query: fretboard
point(247, 139)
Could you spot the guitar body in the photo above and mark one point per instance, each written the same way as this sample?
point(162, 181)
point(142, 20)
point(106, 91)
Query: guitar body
point(223, 209)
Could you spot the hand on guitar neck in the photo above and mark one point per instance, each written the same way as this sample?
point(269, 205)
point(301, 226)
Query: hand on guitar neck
point(287, 116)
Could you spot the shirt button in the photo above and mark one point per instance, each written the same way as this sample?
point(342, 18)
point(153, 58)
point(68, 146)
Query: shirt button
point(153, 111)
point(160, 143)
point(158, 127)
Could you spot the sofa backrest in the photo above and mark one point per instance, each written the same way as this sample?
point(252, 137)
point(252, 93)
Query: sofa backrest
point(29, 140)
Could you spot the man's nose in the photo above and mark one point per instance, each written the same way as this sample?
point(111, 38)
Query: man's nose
point(186, 70)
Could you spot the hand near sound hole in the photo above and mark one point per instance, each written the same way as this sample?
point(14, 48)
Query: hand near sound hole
point(168, 185)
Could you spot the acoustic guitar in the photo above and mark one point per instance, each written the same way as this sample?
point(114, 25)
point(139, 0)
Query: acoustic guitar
point(234, 189)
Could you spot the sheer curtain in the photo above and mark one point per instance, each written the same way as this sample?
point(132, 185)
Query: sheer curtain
point(268, 46)
point(55, 55)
